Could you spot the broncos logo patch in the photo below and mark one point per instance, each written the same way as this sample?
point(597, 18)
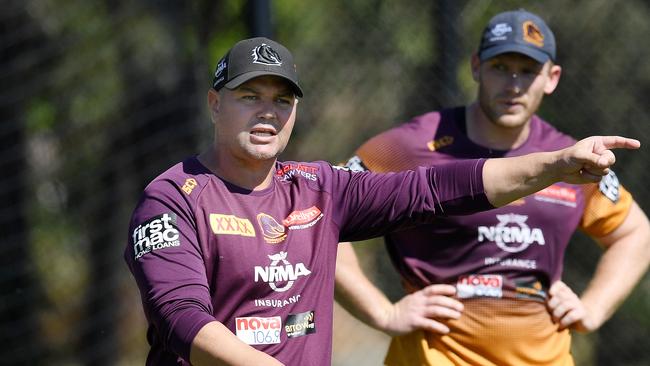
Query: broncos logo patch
point(266, 55)
point(273, 232)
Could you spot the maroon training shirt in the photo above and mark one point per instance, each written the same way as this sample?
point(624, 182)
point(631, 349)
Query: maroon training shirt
point(513, 251)
point(262, 262)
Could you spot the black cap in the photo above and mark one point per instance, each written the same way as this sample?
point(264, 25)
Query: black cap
point(518, 31)
point(255, 57)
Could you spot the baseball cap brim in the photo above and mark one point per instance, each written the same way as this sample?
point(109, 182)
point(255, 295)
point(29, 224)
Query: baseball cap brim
point(535, 54)
point(240, 79)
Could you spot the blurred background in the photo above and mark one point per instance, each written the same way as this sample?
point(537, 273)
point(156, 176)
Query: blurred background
point(99, 97)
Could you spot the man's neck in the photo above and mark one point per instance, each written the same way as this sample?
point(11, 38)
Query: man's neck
point(488, 134)
point(256, 176)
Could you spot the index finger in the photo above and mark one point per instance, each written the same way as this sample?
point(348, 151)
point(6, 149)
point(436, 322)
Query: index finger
point(620, 142)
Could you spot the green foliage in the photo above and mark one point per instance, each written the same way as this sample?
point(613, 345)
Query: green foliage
point(40, 116)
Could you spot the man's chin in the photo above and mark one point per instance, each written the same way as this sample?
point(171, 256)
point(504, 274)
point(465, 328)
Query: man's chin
point(510, 120)
point(264, 154)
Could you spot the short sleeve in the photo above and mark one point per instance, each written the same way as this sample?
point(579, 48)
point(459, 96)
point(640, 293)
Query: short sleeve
point(606, 206)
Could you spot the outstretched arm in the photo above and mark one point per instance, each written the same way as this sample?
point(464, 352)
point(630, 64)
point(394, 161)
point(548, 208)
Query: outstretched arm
point(508, 179)
point(625, 261)
point(424, 309)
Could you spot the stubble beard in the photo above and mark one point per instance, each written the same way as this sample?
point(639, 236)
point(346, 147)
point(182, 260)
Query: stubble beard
point(502, 120)
point(263, 152)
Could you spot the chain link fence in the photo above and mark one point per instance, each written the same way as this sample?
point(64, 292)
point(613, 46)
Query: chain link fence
point(100, 97)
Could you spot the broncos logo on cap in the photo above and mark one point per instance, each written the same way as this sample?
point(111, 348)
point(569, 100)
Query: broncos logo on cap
point(532, 34)
point(266, 55)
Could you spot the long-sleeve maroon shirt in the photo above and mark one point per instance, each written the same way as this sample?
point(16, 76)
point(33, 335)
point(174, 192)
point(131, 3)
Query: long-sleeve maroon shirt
point(262, 262)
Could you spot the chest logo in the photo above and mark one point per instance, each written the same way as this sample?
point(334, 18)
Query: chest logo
point(231, 225)
point(303, 219)
point(565, 196)
point(511, 234)
point(273, 232)
point(289, 171)
point(280, 274)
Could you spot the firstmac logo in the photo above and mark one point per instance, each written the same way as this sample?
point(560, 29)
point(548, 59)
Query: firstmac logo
point(157, 233)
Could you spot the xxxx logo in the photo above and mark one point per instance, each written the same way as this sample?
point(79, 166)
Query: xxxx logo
point(231, 225)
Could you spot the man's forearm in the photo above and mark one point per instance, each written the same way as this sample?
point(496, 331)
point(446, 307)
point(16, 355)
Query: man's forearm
point(621, 266)
point(215, 344)
point(356, 293)
point(508, 179)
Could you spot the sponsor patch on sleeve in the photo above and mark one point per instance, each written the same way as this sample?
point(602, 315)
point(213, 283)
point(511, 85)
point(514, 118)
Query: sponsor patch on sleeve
point(609, 186)
point(258, 330)
point(157, 233)
point(355, 164)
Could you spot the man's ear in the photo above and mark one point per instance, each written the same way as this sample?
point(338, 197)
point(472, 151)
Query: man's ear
point(213, 101)
point(476, 65)
point(554, 73)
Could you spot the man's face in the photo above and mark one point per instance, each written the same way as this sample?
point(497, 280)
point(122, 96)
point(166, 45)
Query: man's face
point(512, 86)
point(254, 121)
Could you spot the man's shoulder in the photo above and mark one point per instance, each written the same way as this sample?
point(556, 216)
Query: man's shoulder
point(187, 177)
point(424, 126)
point(410, 144)
point(429, 121)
